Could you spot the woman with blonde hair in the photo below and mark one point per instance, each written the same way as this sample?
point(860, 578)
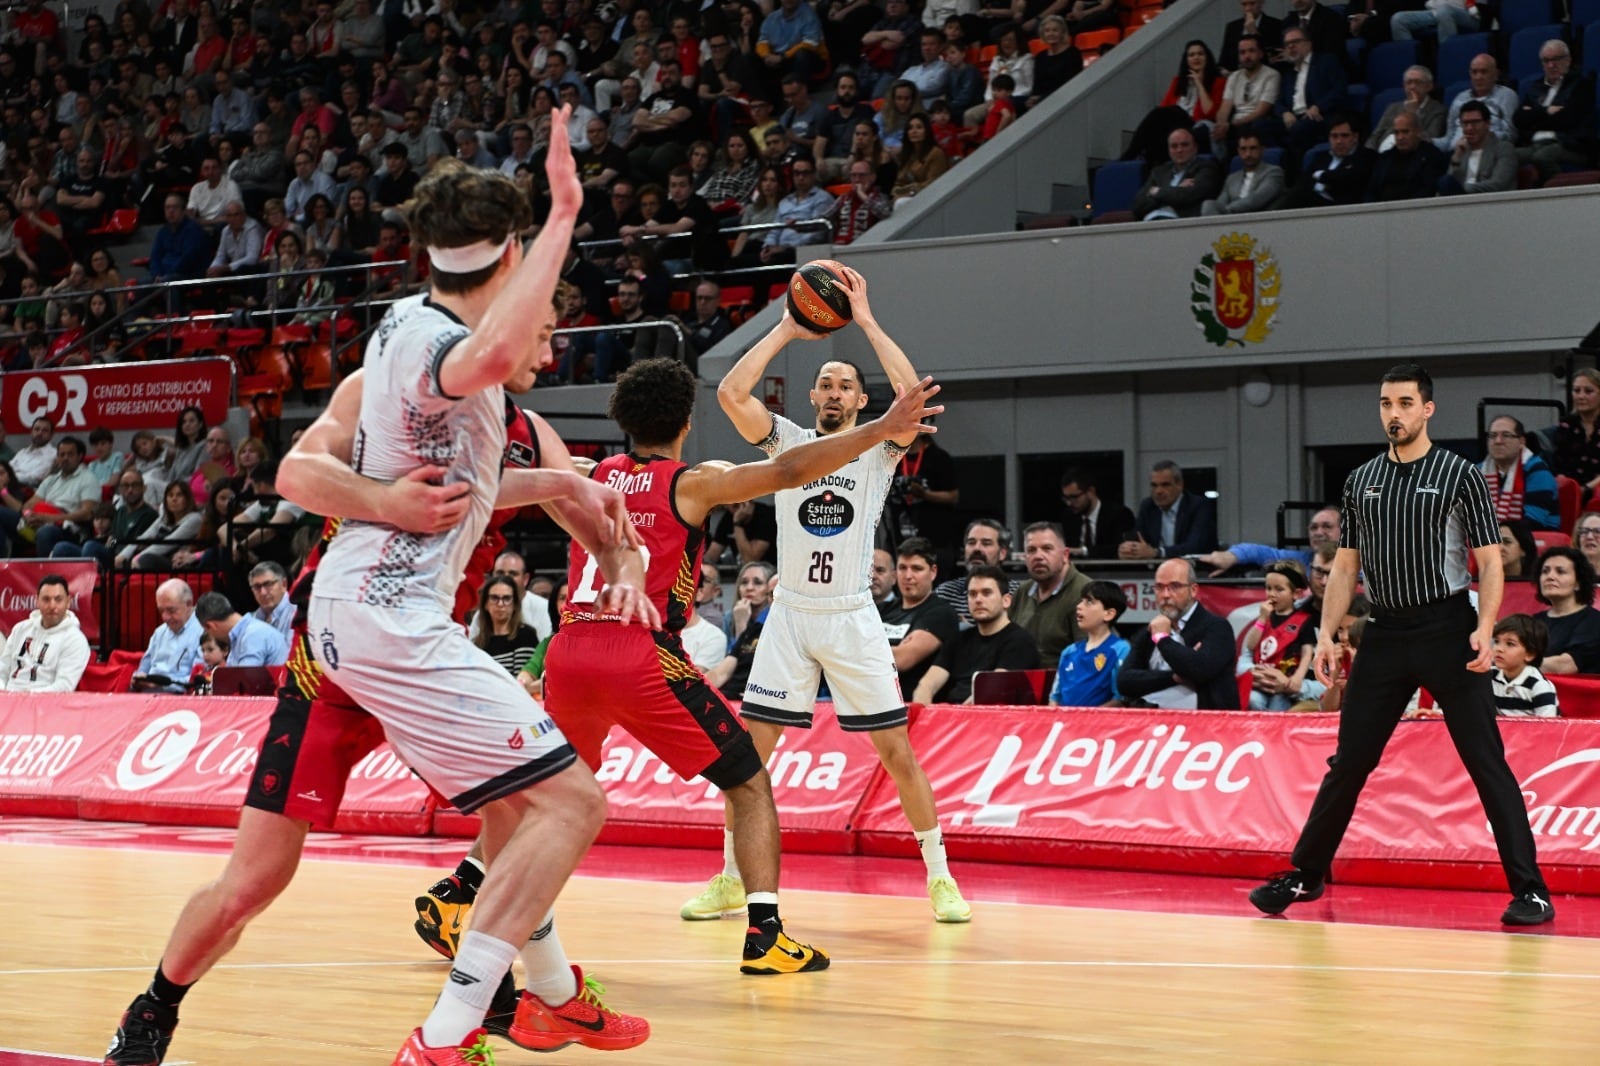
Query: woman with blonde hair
point(1577, 437)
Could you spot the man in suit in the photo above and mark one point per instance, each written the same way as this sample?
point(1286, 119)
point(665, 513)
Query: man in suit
point(1555, 124)
point(1251, 23)
point(1093, 528)
point(1325, 29)
point(1184, 658)
point(1171, 522)
point(1312, 88)
point(1255, 186)
point(1410, 170)
point(1178, 187)
point(1482, 162)
point(1336, 173)
point(1419, 101)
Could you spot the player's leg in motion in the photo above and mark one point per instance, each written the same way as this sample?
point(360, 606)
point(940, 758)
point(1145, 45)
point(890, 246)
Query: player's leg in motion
point(916, 799)
point(266, 853)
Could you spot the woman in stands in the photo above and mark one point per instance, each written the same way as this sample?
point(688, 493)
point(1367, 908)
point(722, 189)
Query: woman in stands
point(283, 290)
point(734, 178)
point(762, 210)
point(251, 453)
point(194, 112)
point(216, 464)
point(1014, 59)
point(1518, 551)
point(14, 260)
point(177, 527)
point(921, 160)
point(499, 627)
point(276, 217)
point(865, 144)
point(1566, 584)
point(97, 312)
point(13, 493)
point(531, 676)
point(219, 508)
point(188, 448)
point(901, 102)
point(1058, 64)
point(322, 230)
point(387, 93)
point(1192, 97)
point(1586, 538)
point(1577, 438)
point(360, 224)
point(103, 276)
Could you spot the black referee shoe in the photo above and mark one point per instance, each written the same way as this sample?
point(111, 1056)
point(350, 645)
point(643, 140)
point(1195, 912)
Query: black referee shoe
point(1530, 908)
point(1291, 886)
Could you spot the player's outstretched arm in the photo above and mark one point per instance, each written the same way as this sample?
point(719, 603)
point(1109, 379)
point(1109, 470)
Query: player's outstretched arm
point(500, 347)
point(709, 484)
point(896, 364)
point(736, 393)
point(316, 475)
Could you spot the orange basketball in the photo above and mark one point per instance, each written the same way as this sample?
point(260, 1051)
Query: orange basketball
point(817, 297)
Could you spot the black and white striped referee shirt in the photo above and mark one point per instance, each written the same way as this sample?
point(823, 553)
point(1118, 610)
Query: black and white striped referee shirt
point(1414, 525)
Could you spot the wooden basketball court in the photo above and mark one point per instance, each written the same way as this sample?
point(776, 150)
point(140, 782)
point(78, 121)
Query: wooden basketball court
point(333, 974)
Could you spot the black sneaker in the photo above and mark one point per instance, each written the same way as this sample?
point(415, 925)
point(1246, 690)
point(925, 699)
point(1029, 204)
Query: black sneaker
point(1530, 908)
point(143, 1035)
point(503, 1008)
point(1291, 886)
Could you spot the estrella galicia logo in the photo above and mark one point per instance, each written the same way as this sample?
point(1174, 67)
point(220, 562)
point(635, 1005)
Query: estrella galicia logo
point(826, 515)
point(330, 654)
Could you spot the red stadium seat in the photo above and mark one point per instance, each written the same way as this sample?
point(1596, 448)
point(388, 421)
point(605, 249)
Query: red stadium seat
point(106, 677)
point(1575, 177)
point(1570, 495)
point(1096, 39)
point(1551, 538)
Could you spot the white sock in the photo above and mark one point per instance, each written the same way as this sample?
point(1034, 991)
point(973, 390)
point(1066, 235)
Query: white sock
point(931, 841)
point(730, 861)
point(482, 869)
point(549, 975)
point(480, 963)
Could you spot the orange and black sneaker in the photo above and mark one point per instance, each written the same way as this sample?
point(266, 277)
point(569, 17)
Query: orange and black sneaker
point(442, 914)
point(474, 1050)
point(143, 1035)
point(583, 1019)
point(765, 955)
point(503, 1008)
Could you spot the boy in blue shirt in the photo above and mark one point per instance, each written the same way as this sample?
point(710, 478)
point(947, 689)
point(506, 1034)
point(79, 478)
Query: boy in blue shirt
point(1087, 673)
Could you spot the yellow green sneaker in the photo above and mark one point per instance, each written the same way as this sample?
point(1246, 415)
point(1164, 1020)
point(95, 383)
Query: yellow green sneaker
point(722, 898)
point(948, 906)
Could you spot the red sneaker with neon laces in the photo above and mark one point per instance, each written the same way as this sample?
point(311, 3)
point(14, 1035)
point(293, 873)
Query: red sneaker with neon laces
point(473, 1050)
point(583, 1019)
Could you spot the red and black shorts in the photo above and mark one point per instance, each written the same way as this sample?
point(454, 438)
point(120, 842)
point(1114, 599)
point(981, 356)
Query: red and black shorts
point(316, 737)
point(602, 674)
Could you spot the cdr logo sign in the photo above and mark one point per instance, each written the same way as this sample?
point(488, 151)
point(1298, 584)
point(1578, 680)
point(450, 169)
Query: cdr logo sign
point(60, 398)
point(158, 751)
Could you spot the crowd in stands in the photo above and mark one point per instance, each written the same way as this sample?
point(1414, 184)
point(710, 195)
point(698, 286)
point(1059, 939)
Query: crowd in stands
point(275, 142)
point(1368, 103)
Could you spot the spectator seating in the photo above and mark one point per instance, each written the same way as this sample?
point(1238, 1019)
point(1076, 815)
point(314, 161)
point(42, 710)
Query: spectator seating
point(1387, 63)
point(1115, 185)
point(1569, 495)
point(1520, 14)
point(1591, 48)
point(1523, 52)
point(1455, 55)
point(1585, 12)
point(1380, 104)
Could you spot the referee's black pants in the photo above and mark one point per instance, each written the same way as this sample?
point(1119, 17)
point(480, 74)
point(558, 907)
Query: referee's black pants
point(1427, 649)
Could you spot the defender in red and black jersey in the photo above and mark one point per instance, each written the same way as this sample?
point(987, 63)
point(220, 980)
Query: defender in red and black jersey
point(600, 673)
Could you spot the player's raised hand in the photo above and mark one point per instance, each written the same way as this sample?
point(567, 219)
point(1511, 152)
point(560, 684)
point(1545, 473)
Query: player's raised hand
point(909, 413)
point(855, 285)
point(566, 191)
point(421, 502)
point(795, 330)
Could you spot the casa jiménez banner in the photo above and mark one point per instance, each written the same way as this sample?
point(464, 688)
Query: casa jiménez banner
point(121, 396)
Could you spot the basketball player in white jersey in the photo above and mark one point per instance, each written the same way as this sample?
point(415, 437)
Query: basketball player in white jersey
point(823, 618)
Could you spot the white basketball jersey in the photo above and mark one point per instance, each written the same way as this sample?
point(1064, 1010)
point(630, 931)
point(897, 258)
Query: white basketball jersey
point(825, 529)
point(408, 421)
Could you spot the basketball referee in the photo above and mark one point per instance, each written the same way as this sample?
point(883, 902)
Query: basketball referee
point(1410, 517)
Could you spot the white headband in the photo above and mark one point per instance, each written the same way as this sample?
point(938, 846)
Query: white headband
point(468, 257)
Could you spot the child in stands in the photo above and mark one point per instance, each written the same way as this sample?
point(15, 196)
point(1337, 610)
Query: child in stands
point(1086, 676)
point(1520, 690)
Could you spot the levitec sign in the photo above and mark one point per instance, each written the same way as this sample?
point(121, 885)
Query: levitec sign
point(118, 396)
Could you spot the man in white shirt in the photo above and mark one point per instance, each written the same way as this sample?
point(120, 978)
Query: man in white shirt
point(211, 195)
point(239, 249)
point(67, 496)
point(34, 463)
point(1246, 98)
point(1484, 74)
point(47, 651)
